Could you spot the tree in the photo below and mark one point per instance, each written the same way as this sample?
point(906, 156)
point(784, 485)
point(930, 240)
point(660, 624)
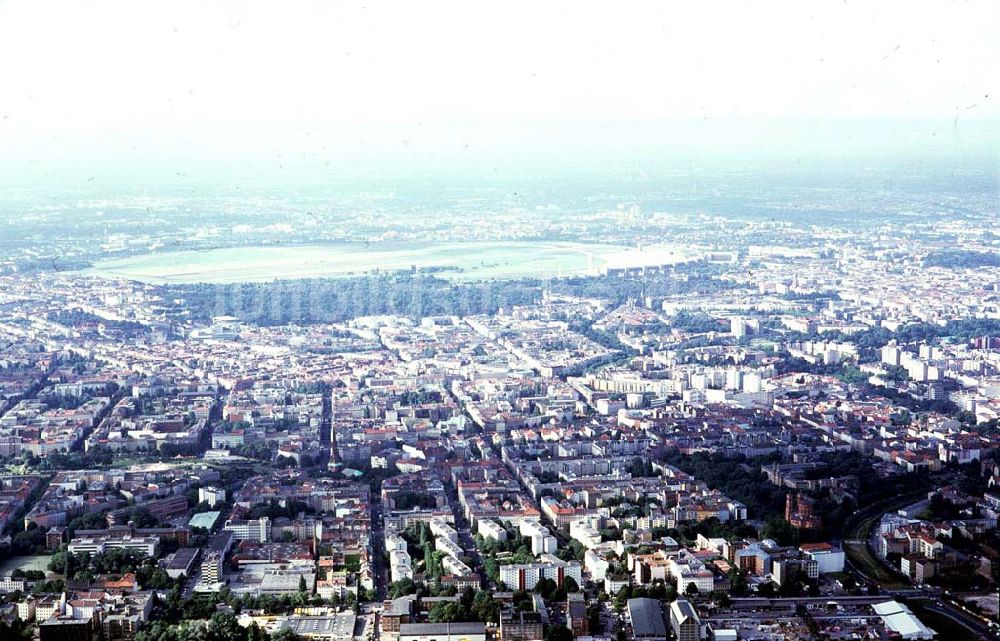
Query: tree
point(594, 618)
point(691, 589)
point(780, 530)
point(223, 626)
point(570, 584)
point(545, 587)
point(558, 633)
point(405, 587)
point(896, 373)
point(63, 562)
point(738, 583)
point(254, 633)
point(486, 608)
point(902, 418)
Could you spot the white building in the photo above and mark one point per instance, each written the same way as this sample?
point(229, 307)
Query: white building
point(26, 608)
point(525, 576)
point(544, 545)
point(441, 528)
point(737, 327)
point(688, 569)
point(541, 541)
point(442, 632)
point(448, 546)
point(48, 607)
point(891, 355)
point(492, 530)
point(394, 542)
point(614, 585)
point(211, 568)
point(455, 567)
point(595, 565)
point(98, 545)
point(586, 531)
point(399, 565)
point(684, 621)
point(10, 584)
point(828, 558)
point(255, 530)
point(211, 495)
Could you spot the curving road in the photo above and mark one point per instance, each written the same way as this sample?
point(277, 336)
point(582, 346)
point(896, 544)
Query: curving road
point(973, 625)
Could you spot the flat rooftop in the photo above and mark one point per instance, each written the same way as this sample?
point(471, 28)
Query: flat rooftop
point(181, 559)
point(339, 626)
point(647, 618)
point(441, 628)
point(204, 520)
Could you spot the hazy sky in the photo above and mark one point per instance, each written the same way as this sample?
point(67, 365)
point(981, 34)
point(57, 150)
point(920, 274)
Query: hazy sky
point(80, 80)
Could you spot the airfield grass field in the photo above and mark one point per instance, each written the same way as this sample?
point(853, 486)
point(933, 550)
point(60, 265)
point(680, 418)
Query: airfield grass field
point(478, 260)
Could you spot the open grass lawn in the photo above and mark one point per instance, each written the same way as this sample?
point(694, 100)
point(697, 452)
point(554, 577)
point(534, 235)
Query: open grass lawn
point(37, 562)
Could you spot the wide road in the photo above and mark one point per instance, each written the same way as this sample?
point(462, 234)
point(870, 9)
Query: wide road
point(975, 626)
point(378, 552)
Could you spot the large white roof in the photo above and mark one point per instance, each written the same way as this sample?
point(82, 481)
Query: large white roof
point(899, 619)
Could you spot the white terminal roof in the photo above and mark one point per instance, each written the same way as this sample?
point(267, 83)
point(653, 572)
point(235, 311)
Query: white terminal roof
point(899, 619)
